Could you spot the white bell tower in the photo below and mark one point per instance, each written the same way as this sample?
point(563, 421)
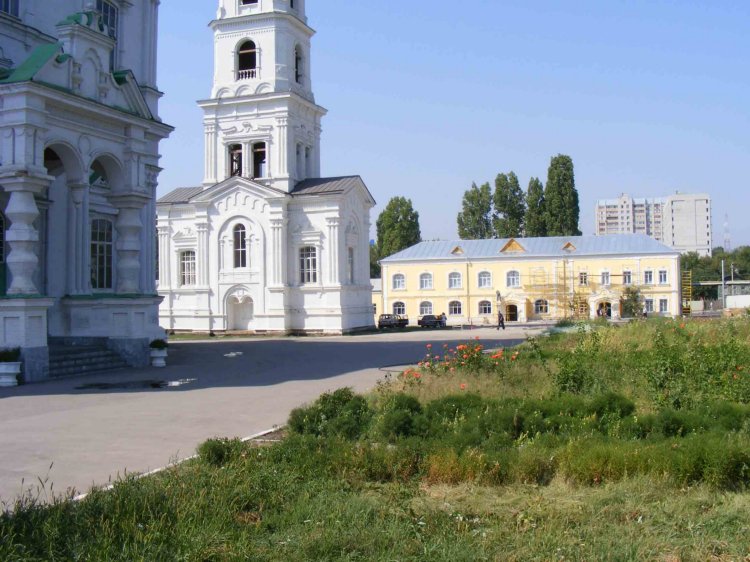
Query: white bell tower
point(262, 121)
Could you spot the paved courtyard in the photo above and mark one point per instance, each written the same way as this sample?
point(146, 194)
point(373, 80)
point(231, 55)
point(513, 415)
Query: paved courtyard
point(91, 428)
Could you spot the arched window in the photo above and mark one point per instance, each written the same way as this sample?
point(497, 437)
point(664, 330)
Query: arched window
point(485, 280)
point(298, 64)
point(425, 282)
point(240, 246)
point(485, 307)
point(187, 268)
point(247, 61)
point(425, 307)
point(399, 281)
point(454, 280)
point(541, 307)
point(513, 279)
point(259, 160)
point(98, 175)
point(454, 308)
point(399, 308)
point(308, 264)
point(101, 254)
point(235, 159)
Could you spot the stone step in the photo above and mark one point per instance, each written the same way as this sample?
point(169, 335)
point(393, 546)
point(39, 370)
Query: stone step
point(76, 360)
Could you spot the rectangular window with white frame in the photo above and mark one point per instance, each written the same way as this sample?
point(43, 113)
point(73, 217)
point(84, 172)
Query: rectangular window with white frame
point(9, 7)
point(187, 268)
point(648, 277)
point(605, 278)
point(308, 265)
point(110, 18)
point(649, 305)
point(454, 281)
point(662, 277)
point(663, 306)
point(583, 279)
point(627, 278)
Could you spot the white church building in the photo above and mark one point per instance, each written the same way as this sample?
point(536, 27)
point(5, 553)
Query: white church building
point(79, 138)
point(264, 244)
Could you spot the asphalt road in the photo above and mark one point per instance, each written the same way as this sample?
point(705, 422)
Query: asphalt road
point(87, 430)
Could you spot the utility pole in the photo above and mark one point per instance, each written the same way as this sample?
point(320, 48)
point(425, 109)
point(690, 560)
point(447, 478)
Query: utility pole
point(723, 287)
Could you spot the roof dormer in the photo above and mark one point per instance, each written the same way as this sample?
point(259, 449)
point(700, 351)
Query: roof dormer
point(512, 247)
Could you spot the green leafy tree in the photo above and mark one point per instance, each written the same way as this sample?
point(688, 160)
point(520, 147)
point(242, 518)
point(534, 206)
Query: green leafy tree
point(397, 227)
point(632, 302)
point(561, 198)
point(374, 265)
point(475, 219)
point(510, 206)
point(535, 220)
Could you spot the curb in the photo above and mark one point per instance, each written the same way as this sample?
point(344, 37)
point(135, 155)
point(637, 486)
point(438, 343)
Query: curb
point(109, 487)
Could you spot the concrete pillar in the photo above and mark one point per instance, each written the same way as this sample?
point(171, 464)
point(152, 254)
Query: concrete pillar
point(22, 236)
point(333, 251)
point(128, 226)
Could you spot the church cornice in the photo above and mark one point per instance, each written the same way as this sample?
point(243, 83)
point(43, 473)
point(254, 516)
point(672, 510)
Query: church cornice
point(237, 22)
point(213, 103)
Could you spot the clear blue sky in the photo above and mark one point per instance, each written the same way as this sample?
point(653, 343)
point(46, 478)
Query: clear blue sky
point(647, 96)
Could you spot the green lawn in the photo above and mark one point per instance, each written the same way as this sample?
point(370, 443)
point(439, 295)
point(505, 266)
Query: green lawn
point(619, 443)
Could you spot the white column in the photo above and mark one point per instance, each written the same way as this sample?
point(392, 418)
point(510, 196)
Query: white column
point(210, 160)
point(202, 255)
point(22, 237)
point(333, 251)
point(164, 256)
point(282, 168)
point(128, 226)
point(278, 252)
point(78, 240)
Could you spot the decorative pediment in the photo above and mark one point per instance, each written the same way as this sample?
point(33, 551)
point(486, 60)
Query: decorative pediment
point(238, 192)
point(512, 247)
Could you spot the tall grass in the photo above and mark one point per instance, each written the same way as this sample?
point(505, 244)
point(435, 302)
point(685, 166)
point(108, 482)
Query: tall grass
point(622, 443)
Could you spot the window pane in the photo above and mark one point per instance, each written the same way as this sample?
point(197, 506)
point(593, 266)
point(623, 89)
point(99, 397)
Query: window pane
point(240, 246)
point(308, 264)
point(485, 307)
point(454, 308)
point(399, 308)
point(425, 308)
point(101, 254)
point(187, 268)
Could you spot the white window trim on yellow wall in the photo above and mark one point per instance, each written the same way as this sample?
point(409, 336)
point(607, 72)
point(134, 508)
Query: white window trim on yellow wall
point(508, 278)
point(583, 278)
point(451, 308)
point(606, 278)
point(646, 274)
point(400, 276)
point(455, 275)
point(666, 277)
point(482, 305)
point(629, 279)
point(431, 309)
point(487, 274)
point(425, 276)
point(402, 307)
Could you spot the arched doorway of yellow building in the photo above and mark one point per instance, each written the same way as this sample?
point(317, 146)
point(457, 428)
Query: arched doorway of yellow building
point(511, 313)
point(604, 309)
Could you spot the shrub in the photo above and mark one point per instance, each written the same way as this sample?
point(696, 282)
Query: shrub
point(220, 451)
point(337, 413)
point(401, 417)
point(158, 344)
point(612, 403)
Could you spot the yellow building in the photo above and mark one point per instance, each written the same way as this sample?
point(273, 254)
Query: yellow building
point(529, 278)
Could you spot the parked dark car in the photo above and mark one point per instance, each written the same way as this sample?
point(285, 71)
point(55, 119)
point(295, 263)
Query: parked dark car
point(391, 321)
point(430, 321)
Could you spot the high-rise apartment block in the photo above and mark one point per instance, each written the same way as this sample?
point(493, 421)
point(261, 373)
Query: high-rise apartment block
point(682, 221)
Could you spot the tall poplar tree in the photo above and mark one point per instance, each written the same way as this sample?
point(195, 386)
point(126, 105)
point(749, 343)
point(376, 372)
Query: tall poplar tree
point(535, 221)
point(561, 198)
point(510, 206)
point(397, 227)
point(475, 219)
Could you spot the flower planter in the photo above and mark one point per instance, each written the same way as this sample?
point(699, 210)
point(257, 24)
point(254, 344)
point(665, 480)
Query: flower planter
point(158, 357)
point(9, 373)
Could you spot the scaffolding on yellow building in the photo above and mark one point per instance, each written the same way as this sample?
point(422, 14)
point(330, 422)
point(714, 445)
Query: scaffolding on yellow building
point(687, 292)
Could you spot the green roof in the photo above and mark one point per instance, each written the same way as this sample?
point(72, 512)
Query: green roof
point(28, 68)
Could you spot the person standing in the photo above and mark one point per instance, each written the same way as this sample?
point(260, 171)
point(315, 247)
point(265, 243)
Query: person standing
point(500, 320)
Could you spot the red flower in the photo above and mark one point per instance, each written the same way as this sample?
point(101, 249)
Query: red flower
point(463, 386)
point(429, 346)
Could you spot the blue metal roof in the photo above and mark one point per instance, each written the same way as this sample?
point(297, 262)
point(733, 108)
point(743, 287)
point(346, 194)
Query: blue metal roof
point(553, 246)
